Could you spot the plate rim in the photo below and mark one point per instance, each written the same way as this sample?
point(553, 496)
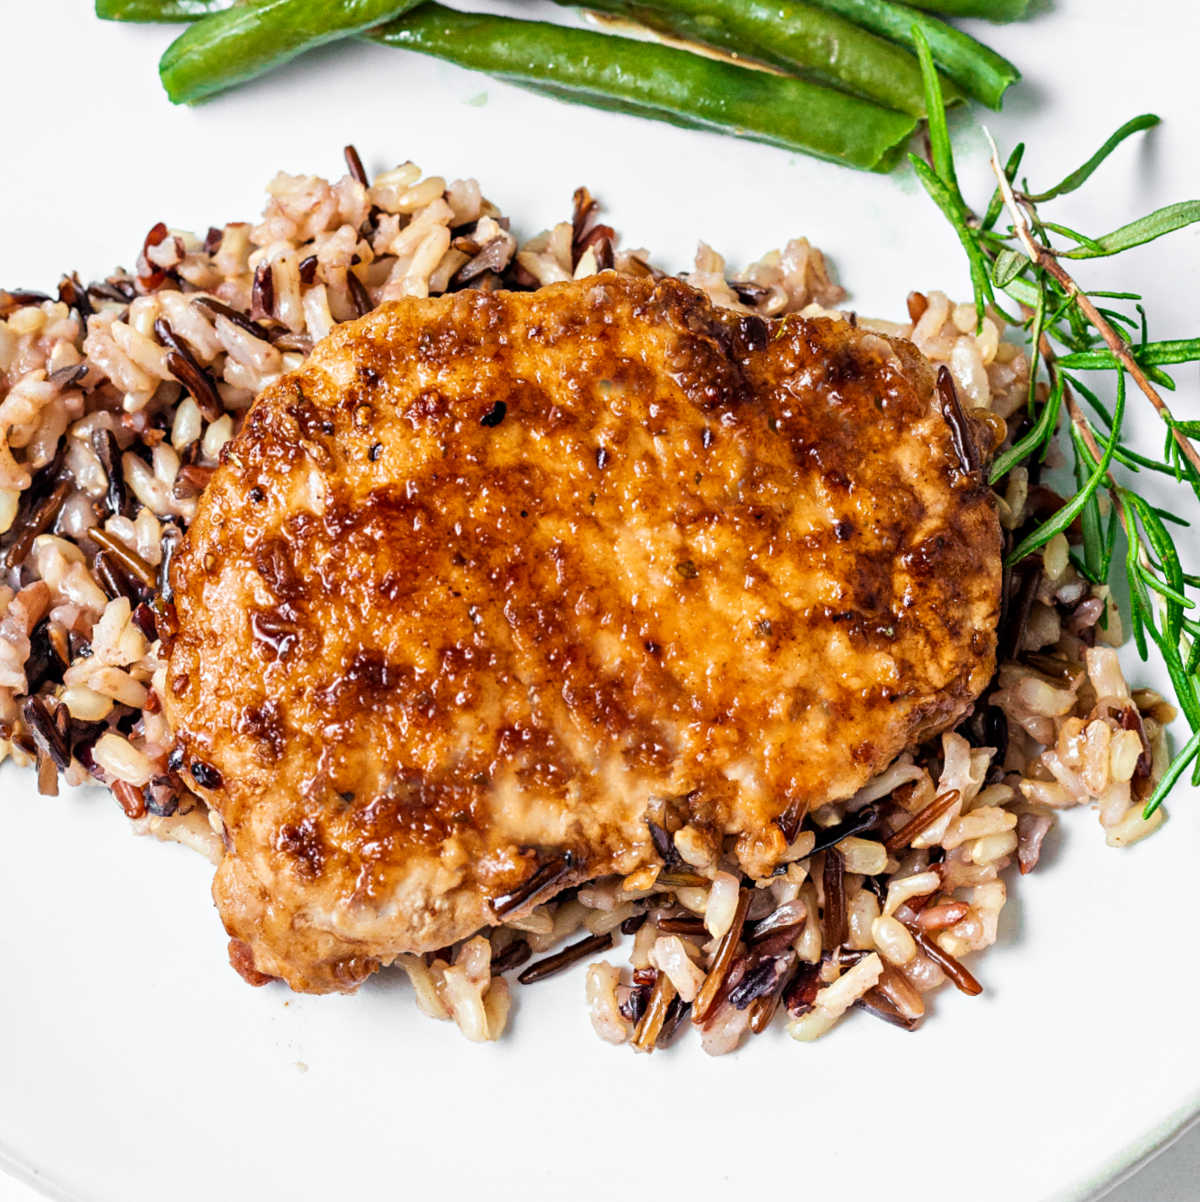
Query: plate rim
point(1124, 1164)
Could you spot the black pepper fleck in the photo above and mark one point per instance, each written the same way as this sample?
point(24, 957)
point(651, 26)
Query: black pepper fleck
point(205, 775)
point(495, 415)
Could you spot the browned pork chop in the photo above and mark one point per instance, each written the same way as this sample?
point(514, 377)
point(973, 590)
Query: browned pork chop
point(491, 572)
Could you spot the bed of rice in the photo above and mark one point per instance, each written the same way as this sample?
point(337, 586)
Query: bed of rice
point(115, 401)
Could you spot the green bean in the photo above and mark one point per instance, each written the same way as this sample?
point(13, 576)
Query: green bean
point(982, 73)
point(248, 39)
point(993, 10)
point(794, 36)
point(160, 10)
point(658, 81)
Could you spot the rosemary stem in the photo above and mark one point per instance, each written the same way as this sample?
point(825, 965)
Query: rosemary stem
point(1116, 344)
point(1048, 262)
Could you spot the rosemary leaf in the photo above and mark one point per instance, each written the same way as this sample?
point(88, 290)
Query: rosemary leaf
point(1193, 661)
point(1059, 521)
point(1172, 585)
point(1009, 264)
point(939, 135)
point(952, 207)
point(1146, 229)
point(1090, 522)
point(1164, 590)
point(1179, 765)
point(1089, 243)
point(1040, 433)
point(1081, 174)
point(996, 205)
point(1153, 354)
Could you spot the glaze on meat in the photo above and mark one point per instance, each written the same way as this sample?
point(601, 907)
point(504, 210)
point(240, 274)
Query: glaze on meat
point(493, 573)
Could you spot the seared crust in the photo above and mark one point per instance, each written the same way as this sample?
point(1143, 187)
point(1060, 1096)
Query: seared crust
point(491, 571)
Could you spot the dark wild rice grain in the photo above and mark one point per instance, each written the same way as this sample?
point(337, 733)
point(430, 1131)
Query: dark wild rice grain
point(161, 796)
point(676, 1018)
point(748, 293)
point(184, 366)
point(633, 923)
point(358, 294)
point(664, 844)
point(354, 165)
point(46, 662)
point(569, 955)
point(857, 824)
point(38, 523)
point(1017, 605)
point(683, 925)
point(548, 874)
point(952, 967)
point(47, 737)
point(219, 309)
point(923, 819)
point(633, 1005)
point(129, 559)
point(114, 580)
point(801, 991)
point(679, 878)
point(262, 292)
point(492, 256)
point(104, 444)
point(645, 1038)
point(874, 1002)
point(64, 377)
point(706, 998)
point(516, 953)
point(74, 295)
point(761, 979)
point(833, 914)
point(961, 434)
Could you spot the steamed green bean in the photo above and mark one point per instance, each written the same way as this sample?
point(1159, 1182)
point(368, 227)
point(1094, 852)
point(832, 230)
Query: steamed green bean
point(160, 10)
point(993, 10)
point(982, 73)
point(244, 41)
point(658, 81)
point(796, 37)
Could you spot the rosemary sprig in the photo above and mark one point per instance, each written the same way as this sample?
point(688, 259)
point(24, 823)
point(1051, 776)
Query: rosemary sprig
point(1020, 267)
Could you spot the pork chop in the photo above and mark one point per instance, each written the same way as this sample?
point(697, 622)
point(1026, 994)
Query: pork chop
point(491, 575)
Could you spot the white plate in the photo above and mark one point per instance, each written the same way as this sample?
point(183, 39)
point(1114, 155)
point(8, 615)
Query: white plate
point(134, 1065)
